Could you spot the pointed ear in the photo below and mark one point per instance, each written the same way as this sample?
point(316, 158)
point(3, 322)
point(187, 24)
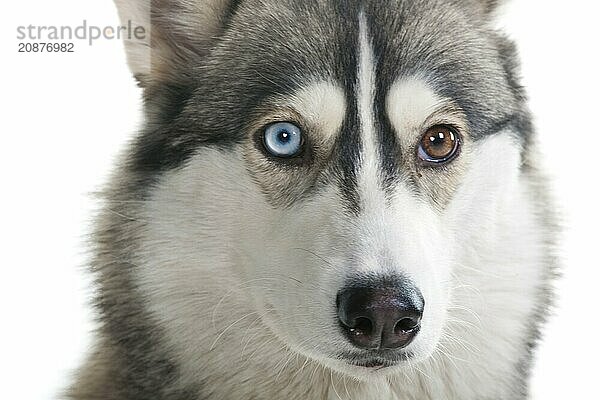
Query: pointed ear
point(490, 6)
point(487, 7)
point(167, 35)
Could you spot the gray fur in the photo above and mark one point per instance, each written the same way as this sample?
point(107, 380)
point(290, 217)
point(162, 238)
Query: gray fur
point(207, 83)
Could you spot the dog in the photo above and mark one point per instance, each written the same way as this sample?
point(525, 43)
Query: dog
point(328, 199)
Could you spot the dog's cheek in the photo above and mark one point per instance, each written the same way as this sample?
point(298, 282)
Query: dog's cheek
point(490, 182)
point(295, 252)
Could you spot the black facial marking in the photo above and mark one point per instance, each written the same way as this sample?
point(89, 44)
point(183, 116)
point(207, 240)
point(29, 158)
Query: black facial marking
point(221, 94)
point(155, 149)
point(347, 153)
point(348, 142)
point(389, 148)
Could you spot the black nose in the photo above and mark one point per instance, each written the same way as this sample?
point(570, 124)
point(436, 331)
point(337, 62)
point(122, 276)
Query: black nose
point(380, 314)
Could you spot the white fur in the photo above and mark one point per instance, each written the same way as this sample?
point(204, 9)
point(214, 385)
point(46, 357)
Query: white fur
point(371, 193)
point(410, 102)
point(249, 291)
point(322, 105)
point(246, 292)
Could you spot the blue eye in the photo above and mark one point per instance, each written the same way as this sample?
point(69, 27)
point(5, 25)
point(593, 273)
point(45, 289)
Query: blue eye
point(283, 139)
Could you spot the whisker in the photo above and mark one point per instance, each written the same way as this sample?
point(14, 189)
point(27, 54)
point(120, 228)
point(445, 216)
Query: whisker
point(229, 327)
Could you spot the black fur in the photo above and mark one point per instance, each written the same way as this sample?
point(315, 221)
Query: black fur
point(255, 57)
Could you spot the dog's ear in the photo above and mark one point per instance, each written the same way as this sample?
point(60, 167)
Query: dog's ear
point(166, 35)
point(486, 7)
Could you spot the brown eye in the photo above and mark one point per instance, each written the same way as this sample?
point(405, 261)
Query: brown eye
point(439, 145)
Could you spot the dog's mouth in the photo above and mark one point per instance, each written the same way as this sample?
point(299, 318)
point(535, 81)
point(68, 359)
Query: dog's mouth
point(375, 363)
point(375, 360)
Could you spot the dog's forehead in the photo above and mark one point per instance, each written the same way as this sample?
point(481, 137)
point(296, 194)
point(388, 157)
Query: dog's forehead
point(311, 54)
point(275, 47)
point(361, 70)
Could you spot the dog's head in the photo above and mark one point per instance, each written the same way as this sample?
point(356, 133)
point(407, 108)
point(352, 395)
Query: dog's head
point(337, 162)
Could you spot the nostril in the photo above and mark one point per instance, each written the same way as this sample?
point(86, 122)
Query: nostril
point(362, 327)
point(380, 314)
point(406, 325)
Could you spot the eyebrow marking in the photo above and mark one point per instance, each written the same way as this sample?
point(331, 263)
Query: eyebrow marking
point(410, 102)
point(322, 104)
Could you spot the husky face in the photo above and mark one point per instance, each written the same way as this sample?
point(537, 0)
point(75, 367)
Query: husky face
point(325, 170)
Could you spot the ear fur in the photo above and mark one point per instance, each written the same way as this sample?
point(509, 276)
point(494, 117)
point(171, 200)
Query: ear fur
point(176, 32)
point(487, 7)
point(490, 5)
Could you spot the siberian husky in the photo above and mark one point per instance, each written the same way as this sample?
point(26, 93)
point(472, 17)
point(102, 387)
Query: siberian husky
point(328, 199)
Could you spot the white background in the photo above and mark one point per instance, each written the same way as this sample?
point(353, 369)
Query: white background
point(64, 117)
